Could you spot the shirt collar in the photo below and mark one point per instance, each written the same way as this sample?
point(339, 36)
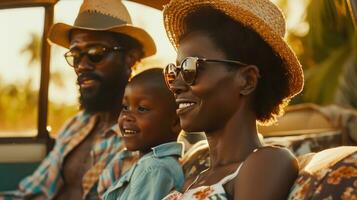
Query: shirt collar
point(168, 149)
point(162, 150)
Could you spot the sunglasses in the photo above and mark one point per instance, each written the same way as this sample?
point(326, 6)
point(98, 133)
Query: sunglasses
point(188, 69)
point(95, 54)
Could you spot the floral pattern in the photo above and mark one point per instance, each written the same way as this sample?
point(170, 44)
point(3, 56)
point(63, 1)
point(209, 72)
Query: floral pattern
point(203, 194)
point(338, 181)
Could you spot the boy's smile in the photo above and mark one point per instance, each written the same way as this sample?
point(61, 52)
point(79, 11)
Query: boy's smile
point(128, 132)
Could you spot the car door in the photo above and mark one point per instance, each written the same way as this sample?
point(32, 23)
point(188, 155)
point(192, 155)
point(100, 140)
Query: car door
point(24, 139)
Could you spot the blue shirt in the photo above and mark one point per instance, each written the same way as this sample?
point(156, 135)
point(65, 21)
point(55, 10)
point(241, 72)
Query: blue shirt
point(152, 177)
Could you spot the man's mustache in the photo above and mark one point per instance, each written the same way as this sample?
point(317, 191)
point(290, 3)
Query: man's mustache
point(88, 75)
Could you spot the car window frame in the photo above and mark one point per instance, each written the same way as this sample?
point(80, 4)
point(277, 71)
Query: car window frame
point(42, 133)
point(352, 5)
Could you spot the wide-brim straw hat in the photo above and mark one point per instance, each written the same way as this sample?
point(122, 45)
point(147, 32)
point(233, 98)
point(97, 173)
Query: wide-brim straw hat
point(108, 15)
point(262, 16)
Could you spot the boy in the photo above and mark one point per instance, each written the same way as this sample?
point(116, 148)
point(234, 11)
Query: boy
point(149, 125)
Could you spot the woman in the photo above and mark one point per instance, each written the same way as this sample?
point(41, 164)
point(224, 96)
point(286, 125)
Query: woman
point(233, 69)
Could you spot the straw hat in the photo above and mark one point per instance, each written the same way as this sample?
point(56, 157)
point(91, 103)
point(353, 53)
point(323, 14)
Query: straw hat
point(262, 16)
point(108, 15)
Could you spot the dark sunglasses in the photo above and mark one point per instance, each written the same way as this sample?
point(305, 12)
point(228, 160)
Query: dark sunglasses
point(188, 69)
point(95, 54)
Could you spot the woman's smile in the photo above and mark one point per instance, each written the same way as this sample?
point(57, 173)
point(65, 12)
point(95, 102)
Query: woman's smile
point(185, 106)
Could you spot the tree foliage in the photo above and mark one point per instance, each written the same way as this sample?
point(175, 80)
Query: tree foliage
point(329, 54)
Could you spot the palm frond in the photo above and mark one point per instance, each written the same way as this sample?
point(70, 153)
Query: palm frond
point(323, 80)
point(347, 90)
point(33, 48)
point(328, 50)
point(330, 27)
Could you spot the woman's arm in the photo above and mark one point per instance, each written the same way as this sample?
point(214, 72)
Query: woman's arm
point(267, 174)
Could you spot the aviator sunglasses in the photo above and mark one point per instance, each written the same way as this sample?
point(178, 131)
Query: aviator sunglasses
point(95, 54)
point(188, 69)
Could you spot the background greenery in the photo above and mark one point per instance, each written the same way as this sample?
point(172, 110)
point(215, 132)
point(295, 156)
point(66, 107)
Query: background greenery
point(328, 53)
point(18, 101)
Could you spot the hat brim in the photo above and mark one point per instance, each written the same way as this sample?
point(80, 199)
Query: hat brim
point(175, 13)
point(59, 34)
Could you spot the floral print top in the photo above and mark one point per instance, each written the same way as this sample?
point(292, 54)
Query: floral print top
point(215, 191)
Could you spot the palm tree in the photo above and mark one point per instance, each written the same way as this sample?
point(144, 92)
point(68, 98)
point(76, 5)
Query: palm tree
point(33, 48)
point(328, 53)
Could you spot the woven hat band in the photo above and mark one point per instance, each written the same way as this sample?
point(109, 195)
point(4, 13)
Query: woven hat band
point(95, 20)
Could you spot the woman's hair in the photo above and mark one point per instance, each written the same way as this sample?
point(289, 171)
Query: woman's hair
point(245, 45)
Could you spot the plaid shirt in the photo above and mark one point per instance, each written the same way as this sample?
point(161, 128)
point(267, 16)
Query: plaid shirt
point(47, 180)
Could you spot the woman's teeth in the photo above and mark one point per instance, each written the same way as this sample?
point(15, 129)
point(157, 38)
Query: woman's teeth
point(185, 105)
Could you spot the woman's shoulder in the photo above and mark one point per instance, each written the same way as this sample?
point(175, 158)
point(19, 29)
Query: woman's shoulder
point(281, 154)
point(271, 158)
point(272, 169)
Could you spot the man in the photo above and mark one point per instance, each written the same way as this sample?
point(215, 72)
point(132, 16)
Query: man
point(103, 46)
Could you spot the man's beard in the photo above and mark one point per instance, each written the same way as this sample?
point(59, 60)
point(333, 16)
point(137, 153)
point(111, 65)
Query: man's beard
point(106, 97)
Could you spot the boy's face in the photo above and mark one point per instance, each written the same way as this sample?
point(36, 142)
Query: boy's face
point(147, 118)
